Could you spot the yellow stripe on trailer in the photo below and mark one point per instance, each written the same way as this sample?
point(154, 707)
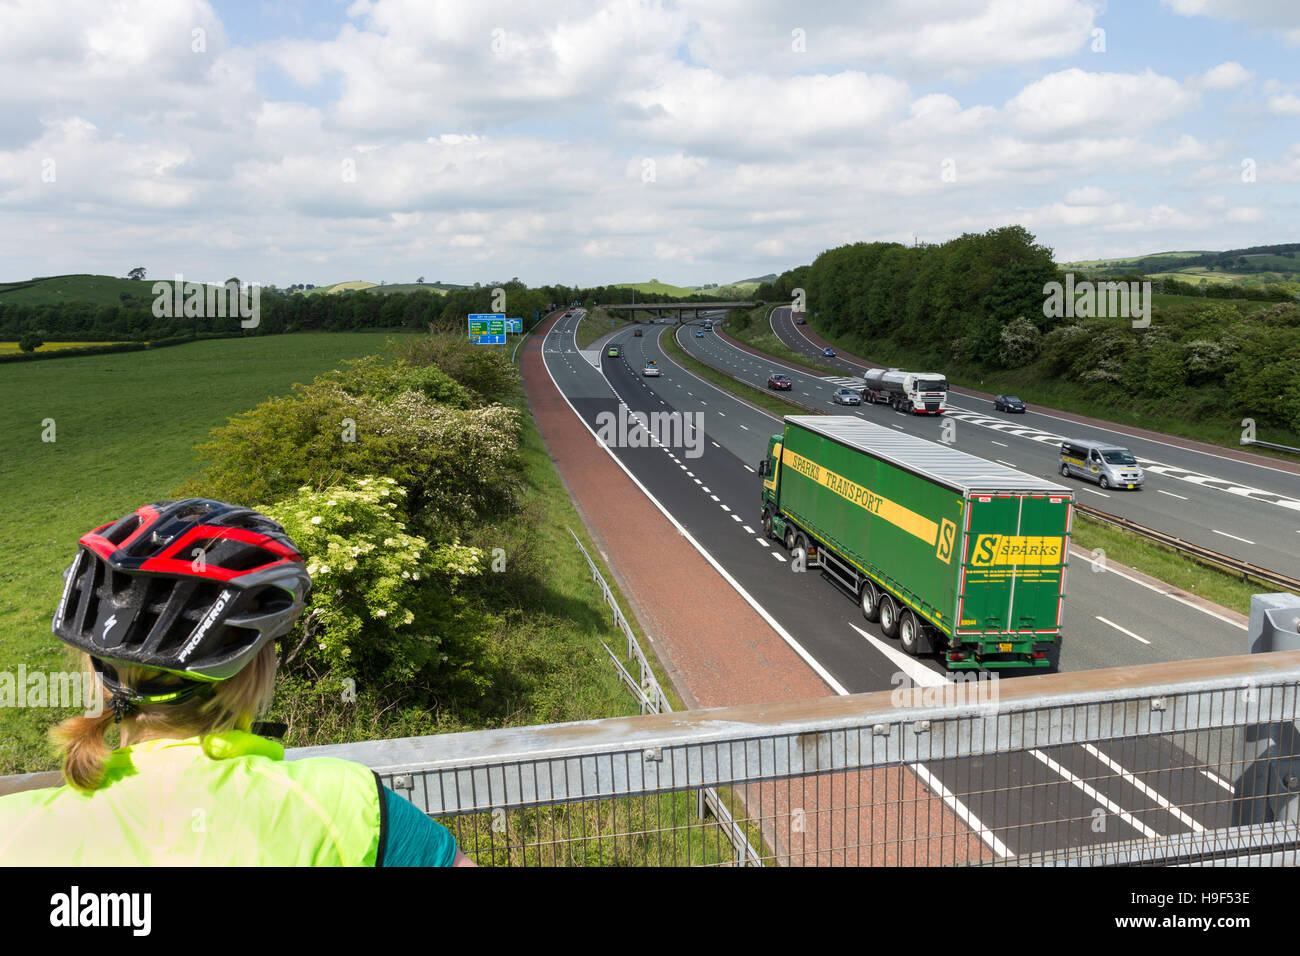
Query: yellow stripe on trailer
point(914, 524)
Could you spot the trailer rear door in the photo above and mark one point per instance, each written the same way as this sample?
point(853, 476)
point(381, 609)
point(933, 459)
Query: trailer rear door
point(1013, 552)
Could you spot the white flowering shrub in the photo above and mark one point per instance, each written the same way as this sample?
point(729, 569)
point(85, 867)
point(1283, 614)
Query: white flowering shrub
point(383, 602)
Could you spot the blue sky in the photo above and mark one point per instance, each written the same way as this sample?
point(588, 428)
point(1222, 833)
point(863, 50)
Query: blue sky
point(629, 139)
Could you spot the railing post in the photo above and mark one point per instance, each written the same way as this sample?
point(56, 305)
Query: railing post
point(1268, 789)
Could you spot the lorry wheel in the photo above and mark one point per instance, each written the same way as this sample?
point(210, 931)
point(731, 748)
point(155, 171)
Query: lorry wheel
point(767, 522)
point(888, 616)
point(789, 538)
point(907, 635)
point(869, 601)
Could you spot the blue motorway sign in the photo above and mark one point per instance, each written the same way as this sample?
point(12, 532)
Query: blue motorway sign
point(490, 340)
point(514, 325)
point(486, 323)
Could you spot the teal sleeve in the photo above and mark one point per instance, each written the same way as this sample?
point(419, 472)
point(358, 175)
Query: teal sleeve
point(411, 838)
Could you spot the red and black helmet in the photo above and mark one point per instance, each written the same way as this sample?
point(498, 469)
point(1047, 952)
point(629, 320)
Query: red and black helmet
point(194, 587)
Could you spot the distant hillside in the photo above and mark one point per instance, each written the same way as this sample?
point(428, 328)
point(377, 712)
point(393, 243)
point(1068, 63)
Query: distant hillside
point(360, 285)
point(96, 290)
point(734, 290)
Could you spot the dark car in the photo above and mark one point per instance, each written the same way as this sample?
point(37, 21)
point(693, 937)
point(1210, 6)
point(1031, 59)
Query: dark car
point(828, 352)
point(1008, 403)
point(846, 396)
point(779, 381)
point(798, 320)
point(638, 333)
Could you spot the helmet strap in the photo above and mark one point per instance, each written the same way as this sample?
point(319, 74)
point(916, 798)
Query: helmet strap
point(127, 701)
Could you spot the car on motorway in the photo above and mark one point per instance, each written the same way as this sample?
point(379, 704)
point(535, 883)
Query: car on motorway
point(1008, 403)
point(614, 351)
point(1110, 466)
point(846, 396)
point(638, 333)
point(780, 382)
point(651, 369)
point(699, 333)
point(828, 352)
point(799, 320)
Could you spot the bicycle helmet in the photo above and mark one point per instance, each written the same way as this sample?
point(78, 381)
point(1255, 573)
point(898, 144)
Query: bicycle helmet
point(194, 588)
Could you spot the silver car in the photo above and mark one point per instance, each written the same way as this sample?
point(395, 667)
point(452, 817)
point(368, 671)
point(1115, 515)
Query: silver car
point(846, 396)
point(1111, 466)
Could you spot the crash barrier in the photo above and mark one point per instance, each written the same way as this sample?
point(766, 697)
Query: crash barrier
point(1235, 566)
point(1188, 762)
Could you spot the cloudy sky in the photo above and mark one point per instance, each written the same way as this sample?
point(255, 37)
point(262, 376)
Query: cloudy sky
point(620, 140)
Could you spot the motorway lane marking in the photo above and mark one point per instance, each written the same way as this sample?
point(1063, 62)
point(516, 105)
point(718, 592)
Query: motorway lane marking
point(1009, 464)
point(1092, 792)
point(921, 676)
point(714, 497)
point(1092, 492)
point(961, 810)
point(1232, 536)
point(1155, 467)
point(749, 529)
point(998, 443)
point(1123, 630)
point(698, 482)
point(766, 544)
point(737, 518)
point(1078, 553)
point(1145, 790)
point(705, 489)
point(746, 427)
point(725, 508)
point(779, 557)
point(1215, 778)
point(1170, 494)
point(747, 468)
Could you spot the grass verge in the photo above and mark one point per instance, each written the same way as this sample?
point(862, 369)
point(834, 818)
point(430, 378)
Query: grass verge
point(757, 333)
point(597, 323)
point(766, 399)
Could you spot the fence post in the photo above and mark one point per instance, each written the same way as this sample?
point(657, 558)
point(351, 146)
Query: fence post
point(1268, 789)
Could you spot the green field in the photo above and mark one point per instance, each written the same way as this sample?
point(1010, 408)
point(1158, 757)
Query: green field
point(125, 428)
point(1130, 260)
point(97, 290)
point(724, 292)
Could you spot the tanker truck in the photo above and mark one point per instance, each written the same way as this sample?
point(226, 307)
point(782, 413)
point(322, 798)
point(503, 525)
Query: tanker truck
point(921, 393)
point(950, 553)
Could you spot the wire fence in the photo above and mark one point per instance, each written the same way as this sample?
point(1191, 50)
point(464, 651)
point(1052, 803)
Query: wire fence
point(1192, 762)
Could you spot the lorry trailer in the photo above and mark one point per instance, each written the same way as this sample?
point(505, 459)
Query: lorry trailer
point(921, 393)
point(949, 552)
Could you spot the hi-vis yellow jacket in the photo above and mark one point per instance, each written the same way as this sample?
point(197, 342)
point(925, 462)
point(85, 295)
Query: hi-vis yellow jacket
point(223, 799)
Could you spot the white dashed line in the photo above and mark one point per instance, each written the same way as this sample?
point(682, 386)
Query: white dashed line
point(998, 443)
point(747, 468)
point(748, 529)
point(1091, 492)
point(737, 518)
point(714, 497)
point(725, 508)
point(779, 557)
point(1232, 536)
point(1122, 630)
point(1170, 494)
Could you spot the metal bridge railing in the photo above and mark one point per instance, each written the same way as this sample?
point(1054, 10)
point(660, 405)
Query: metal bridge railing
point(1189, 762)
point(653, 701)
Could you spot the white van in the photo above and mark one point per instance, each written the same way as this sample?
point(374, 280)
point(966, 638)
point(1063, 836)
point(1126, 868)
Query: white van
point(1111, 466)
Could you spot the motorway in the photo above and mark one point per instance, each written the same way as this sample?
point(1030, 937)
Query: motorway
point(1236, 508)
point(710, 489)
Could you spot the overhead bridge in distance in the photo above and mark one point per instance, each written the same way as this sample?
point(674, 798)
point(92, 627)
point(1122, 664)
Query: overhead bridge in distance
point(677, 308)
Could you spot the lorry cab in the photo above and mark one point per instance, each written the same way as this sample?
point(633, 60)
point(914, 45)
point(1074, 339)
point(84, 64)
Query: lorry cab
point(1111, 466)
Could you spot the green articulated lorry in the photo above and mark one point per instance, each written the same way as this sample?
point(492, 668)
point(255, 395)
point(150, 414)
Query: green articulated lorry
point(949, 552)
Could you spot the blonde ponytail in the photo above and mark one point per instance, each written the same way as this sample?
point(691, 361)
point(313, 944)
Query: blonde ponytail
point(232, 704)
